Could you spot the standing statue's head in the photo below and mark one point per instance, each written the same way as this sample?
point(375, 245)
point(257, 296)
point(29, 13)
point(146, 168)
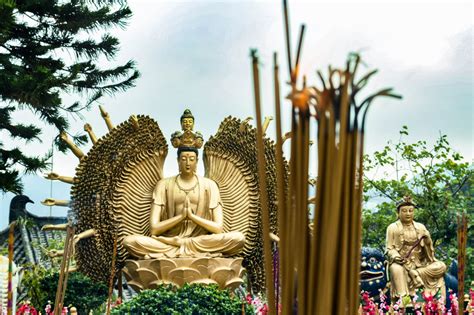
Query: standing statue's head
point(187, 120)
point(406, 209)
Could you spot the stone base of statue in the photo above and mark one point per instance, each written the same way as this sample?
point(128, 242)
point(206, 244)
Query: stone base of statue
point(149, 273)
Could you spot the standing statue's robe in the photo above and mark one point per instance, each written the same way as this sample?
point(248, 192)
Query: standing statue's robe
point(422, 260)
point(186, 239)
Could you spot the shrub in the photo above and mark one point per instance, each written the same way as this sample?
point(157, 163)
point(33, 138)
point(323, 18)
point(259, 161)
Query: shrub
point(81, 291)
point(190, 299)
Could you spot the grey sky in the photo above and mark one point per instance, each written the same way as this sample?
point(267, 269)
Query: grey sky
point(196, 55)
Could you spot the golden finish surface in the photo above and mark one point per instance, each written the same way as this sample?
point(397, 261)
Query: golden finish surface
point(77, 152)
point(55, 202)
point(88, 129)
point(112, 192)
point(56, 176)
point(410, 253)
point(149, 273)
point(230, 159)
point(106, 117)
point(187, 137)
point(114, 184)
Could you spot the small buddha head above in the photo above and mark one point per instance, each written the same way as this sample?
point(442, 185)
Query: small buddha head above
point(187, 121)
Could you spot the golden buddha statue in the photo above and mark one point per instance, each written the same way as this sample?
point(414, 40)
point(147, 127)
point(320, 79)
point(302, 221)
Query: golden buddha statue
point(186, 218)
point(410, 252)
point(187, 137)
point(182, 229)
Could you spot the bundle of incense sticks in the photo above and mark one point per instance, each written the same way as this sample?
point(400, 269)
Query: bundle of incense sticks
point(64, 269)
point(462, 240)
point(319, 269)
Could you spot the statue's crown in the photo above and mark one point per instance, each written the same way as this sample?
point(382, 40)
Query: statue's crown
point(186, 137)
point(406, 201)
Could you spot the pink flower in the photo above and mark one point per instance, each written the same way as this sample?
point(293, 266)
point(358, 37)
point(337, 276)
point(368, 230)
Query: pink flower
point(48, 309)
point(471, 293)
point(263, 310)
point(454, 303)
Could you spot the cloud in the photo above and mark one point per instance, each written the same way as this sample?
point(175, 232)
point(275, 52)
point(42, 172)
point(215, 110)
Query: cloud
point(196, 55)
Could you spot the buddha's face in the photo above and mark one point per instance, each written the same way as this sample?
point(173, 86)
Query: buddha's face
point(187, 163)
point(405, 214)
point(187, 124)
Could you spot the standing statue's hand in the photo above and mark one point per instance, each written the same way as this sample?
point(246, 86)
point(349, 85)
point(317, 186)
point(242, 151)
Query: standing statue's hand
point(399, 260)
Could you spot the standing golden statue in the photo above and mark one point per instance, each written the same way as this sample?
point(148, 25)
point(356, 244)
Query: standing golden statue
point(410, 252)
point(186, 217)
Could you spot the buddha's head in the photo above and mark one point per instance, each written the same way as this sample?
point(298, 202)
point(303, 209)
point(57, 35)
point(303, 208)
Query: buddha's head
point(406, 210)
point(187, 160)
point(187, 121)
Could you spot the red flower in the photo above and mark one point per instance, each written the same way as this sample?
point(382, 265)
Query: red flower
point(26, 308)
point(248, 298)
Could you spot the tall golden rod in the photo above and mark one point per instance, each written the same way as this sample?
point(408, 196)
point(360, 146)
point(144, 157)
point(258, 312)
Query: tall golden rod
point(322, 147)
point(462, 239)
point(280, 172)
point(298, 54)
point(112, 275)
point(69, 253)
point(344, 189)
point(298, 221)
point(263, 189)
point(287, 37)
point(327, 223)
point(305, 241)
point(11, 244)
point(288, 268)
point(356, 220)
point(288, 287)
point(61, 289)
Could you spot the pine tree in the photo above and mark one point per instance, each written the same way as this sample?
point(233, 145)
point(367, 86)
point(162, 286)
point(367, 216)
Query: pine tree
point(49, 48)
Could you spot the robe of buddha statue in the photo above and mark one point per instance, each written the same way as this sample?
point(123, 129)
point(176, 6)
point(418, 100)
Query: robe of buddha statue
point(420, 269)
point(186, 219)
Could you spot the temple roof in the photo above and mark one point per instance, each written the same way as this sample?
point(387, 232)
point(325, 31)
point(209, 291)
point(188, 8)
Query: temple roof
point(30, 241)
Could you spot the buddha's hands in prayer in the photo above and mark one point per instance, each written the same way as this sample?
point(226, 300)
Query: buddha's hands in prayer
point(187, 211)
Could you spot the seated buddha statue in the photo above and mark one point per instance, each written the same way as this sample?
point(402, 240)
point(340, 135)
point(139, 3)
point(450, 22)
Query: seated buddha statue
point(186, 218)
point(410, 253)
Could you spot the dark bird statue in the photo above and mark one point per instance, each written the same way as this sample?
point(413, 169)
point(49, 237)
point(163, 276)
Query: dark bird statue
point(18, 208)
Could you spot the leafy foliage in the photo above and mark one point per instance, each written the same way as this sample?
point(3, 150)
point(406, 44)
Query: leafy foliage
point(54, 245)
point(81, 292)
point(49, 48)
point(190, 299)
point(31, 283)
point(438, 180)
